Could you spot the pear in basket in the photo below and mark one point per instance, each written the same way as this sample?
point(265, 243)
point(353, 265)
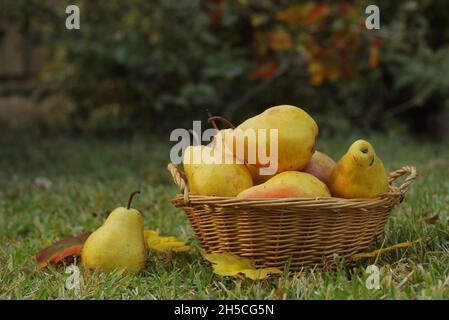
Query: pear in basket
point(207, 175)
point(296, 133)
point(321, 166)
point(359, 174)
point(258, 178)
point(226, 136)
point(288, 184)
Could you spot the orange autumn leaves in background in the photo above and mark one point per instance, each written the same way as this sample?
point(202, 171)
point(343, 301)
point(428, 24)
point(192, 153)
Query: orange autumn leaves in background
point(329, 36)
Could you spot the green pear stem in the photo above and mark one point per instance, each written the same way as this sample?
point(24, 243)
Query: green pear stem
point(222, 119)
point(131, 199)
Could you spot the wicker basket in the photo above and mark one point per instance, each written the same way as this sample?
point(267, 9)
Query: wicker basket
point(300, 232)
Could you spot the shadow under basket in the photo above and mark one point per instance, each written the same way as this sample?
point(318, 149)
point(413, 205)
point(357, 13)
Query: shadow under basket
point(298, 232)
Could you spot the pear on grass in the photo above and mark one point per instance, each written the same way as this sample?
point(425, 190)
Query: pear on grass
point(288, 184)
point(359, 174)
point(119, 244)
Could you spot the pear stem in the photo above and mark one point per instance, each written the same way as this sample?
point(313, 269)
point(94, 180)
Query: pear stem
point(224, 120)
point(196, 138)
point(131, 199)
point(212, 122)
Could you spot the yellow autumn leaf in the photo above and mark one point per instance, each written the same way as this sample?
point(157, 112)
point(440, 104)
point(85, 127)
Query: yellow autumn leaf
point(164, 244)
point(378, 252)
point(260, 274)
point(225, 264)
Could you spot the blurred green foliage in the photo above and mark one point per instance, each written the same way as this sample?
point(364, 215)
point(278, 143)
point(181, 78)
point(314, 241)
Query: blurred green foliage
point(151, 64)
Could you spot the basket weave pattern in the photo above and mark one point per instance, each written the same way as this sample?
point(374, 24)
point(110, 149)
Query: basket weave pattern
point(301, 232)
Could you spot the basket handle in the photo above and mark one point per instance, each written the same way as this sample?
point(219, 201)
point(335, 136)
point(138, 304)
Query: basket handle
point(180, 180)
point(412, 174)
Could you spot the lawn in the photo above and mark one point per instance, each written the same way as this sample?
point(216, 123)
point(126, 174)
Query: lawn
point(92, 176)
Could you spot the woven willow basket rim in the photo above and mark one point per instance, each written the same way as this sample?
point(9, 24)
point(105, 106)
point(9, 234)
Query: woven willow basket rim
point(184, 198)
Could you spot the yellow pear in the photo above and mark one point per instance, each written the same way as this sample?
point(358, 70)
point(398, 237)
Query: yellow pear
point(219, 140)
point(296, 131)
point(208, 173)
point(288, 184)
point(359, 174)
point(118, 244)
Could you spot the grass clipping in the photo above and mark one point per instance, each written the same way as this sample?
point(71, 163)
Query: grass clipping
point(232, 265)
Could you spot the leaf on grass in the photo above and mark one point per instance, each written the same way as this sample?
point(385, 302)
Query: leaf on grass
point(60, 250)
point(225, 264)
point(43, 183)
point(164, 244)
point(378, 252)
point(432, 219)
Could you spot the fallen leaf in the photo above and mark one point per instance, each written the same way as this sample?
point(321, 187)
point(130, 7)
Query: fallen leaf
point(225, 264)
point(60, 250)
point(378, 252)
point(164, 244)
point(432, 219)
point(42, 183)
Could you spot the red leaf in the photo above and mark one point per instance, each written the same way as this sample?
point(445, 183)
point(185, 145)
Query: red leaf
point(61, 249)
point(265, 70)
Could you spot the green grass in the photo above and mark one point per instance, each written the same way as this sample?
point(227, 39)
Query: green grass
point(92, 176)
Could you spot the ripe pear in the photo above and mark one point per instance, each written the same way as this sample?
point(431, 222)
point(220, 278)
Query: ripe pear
point(359, 173)
point(204, 177)
point(320, 166)
point(220, 142)
point(118, 244)
point(288, 184)
point(297, 132)
point(219, 145)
